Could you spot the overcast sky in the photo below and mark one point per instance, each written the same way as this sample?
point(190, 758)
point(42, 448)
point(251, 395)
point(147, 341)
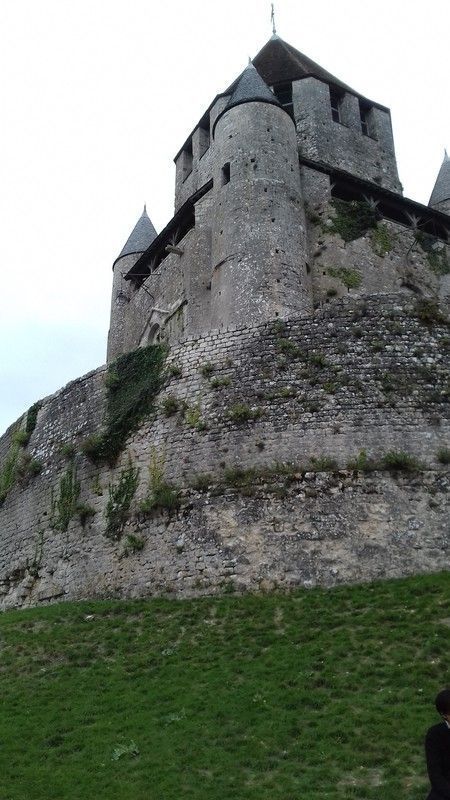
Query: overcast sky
point(97, 96)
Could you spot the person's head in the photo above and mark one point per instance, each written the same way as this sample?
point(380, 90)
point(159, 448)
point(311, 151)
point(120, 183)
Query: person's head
point(443, 703)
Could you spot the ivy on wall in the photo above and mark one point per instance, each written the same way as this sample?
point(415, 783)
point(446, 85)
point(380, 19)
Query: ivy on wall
point(132, 383)
point(352, 219)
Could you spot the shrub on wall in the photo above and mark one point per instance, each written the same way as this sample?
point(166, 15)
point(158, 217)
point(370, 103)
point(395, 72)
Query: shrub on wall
point(30, 423)
point(161, 495)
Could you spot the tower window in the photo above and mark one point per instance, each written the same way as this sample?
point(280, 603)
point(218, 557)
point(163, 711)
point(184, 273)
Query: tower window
point(186, 160)
point(204, 135)
point(336, 98)
point(225, 174)
point(365, 115)
point(283, 93)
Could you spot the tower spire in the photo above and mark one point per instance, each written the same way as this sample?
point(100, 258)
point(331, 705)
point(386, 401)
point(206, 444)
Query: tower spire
point(272, 19)
point(440, 196)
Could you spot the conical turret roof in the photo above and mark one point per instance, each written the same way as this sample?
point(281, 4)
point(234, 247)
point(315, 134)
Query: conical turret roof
point(249, 88)
point(140, 237)
point(441, 191)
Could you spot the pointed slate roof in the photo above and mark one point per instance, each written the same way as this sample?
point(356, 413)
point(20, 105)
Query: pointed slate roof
point(140, 237)
point(278, 61)
point(441, 191)
point(249, 88)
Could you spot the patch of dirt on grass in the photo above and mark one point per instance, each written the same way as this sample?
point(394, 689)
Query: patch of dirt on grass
point(365, 777)
point(278, 619)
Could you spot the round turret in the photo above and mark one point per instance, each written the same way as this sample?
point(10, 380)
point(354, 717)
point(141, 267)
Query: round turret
point(137, 243)
point(258, 228)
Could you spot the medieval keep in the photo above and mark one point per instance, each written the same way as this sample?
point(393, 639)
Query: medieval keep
point(285, 137)
point(274, 411)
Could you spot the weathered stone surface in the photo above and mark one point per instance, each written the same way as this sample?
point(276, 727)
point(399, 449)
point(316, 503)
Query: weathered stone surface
point(318, 388)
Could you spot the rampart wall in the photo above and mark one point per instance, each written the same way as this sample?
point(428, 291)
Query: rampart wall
point(260, 433)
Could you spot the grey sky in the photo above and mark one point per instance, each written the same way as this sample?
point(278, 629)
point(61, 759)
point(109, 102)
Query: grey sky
point(98, 96)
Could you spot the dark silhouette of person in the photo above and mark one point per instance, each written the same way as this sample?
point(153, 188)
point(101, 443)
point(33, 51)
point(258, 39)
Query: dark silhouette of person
point(437, 750)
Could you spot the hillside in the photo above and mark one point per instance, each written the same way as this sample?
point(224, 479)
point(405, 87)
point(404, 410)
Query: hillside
point(315, 694)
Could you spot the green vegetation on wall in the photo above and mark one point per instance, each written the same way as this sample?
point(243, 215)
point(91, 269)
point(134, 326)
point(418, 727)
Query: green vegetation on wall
point(17, 463)
point(429, 313)
point(351, 278)
point(436, 252)
point(132, 382)
point(382, 239)
point(8, 471)
point(31, 419)
point(119, 502)
point(161, 495)
point(64, 504)
point(352, 219)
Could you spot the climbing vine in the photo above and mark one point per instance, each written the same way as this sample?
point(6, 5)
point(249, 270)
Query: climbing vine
point(132, 383)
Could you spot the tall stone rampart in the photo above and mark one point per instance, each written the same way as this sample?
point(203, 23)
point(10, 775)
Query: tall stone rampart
point(276, 448)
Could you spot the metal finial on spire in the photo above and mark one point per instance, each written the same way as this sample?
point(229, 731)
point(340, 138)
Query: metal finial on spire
point(272, 19)
point(145, 208)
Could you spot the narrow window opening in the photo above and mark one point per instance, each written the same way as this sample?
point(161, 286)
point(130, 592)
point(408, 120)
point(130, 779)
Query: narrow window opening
point(365, 115)
point(336, 98)
point(187, 159)
point(283, 93)
point(225, 174)
point(204, 135)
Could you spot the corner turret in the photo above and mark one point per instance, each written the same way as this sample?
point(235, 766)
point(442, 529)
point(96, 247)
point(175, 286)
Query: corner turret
point(440, 196)
point(137, 243)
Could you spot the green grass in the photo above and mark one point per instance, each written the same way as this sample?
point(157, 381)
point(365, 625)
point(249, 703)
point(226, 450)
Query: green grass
point(318, 695)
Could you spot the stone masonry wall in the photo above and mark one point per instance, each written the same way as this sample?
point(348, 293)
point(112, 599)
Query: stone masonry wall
point(294, 401)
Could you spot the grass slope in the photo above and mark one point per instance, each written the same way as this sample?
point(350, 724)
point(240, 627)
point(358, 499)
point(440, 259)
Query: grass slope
point(316, 694)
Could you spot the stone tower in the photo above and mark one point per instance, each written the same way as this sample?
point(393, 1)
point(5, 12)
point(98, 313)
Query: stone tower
point(137, 243)
point(286, 141)
point(258, 224)
point(299, 417)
